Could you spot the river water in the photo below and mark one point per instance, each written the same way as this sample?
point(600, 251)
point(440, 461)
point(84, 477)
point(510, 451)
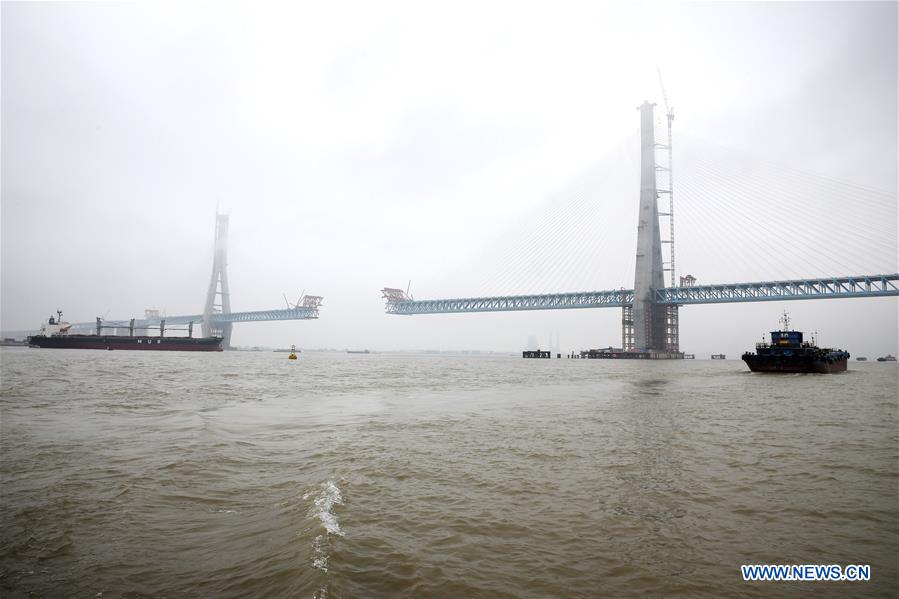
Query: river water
point(244, 474)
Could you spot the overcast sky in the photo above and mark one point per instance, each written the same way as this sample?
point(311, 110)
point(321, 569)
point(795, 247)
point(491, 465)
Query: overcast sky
point(358, 145)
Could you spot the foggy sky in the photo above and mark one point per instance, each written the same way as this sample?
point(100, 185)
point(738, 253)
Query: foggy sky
point(356, 146)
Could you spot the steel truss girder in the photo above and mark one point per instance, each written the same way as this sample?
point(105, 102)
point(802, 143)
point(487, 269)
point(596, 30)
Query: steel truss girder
point(797, 289)
point(253, 316)
point(268, 315)
point(513, 303)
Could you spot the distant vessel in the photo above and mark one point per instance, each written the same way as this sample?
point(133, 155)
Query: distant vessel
point(358, 351)
point(887, 358)
point(689, 356)
point(11, 342)
point(55, 334)
point(787, 352)
point(861, 359)
point(719, 357)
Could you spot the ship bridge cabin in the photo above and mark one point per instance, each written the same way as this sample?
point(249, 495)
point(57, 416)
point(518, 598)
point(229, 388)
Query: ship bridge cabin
point(786, 338)
point(783, 339)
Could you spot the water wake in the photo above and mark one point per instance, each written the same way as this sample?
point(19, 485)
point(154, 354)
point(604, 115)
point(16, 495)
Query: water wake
point(323, 505)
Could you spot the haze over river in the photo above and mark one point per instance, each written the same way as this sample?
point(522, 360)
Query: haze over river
point(385, 475)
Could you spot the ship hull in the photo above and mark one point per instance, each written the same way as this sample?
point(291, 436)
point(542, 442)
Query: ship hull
point(127, 343)
point(794, 364)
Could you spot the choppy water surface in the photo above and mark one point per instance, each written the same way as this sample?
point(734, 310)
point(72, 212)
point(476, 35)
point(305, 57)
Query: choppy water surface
point(245, 474)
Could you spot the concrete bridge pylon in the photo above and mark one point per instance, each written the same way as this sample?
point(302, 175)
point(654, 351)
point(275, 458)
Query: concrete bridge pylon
point(646, 325)
point(218, 297)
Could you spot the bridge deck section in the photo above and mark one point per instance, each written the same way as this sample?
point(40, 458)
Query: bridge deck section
point(299, 313)
point(797, 289)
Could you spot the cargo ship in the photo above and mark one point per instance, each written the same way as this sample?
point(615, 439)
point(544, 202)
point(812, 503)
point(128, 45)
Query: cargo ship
point(886, 358)
point(787, 352)
point(55, 334)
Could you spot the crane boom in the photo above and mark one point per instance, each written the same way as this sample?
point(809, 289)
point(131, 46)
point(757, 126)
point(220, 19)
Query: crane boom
point(668, 109)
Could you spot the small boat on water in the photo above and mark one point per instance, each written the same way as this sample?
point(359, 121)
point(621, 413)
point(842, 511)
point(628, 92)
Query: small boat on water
point(787, 352)
point(719, 357)
point(886, 358)
point(861, 359)
point(358, 351)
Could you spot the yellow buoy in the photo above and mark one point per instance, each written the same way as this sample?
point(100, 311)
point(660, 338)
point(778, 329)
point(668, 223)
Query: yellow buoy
point(293, 355)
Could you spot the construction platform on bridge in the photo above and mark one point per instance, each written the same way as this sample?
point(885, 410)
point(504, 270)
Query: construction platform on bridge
point(619, 354)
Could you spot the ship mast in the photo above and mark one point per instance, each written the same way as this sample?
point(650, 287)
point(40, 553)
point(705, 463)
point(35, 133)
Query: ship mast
point(785, 319)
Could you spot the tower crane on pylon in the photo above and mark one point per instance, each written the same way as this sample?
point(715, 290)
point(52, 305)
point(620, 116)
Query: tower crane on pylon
point(672, 326)
point(669, 111)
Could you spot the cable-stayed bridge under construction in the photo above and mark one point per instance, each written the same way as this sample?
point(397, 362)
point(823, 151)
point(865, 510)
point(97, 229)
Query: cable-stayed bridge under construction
point(217, 318)
point(650, 308)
